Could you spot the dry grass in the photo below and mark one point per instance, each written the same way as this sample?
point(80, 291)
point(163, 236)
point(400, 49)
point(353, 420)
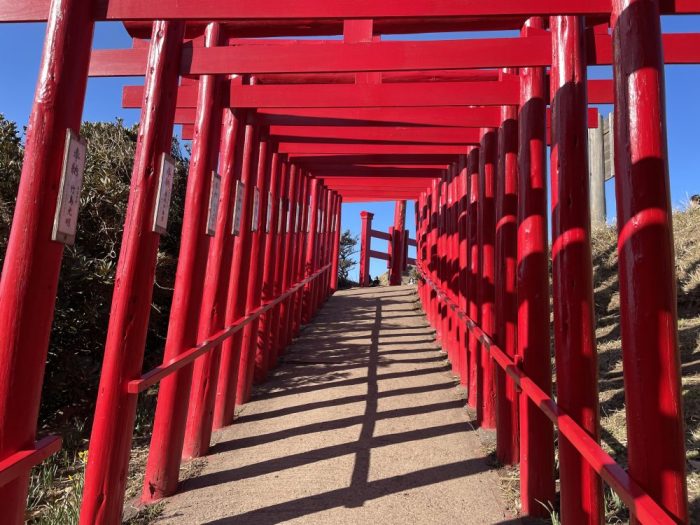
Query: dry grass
point(614, 436)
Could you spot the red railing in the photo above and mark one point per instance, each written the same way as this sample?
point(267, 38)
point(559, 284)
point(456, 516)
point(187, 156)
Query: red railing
point(641, 505)
point(154, 376)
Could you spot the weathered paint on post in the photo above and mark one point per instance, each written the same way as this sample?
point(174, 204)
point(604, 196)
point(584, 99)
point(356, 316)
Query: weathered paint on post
point(536, 431)
point(648, 309)
point(32, 261)
point(110, 441)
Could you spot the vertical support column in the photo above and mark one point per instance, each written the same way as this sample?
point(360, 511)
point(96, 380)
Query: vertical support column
point(300, 256)
point(581, 490)
point(397, 249)
point(463, 262)
point(433, 255)
point(596, 157)
point(110, 441)
point(486, 405)
point(238, 283)
point(290, 249)
point(648, 310)
point(536, 431)
point(474, 310)
point(281, 240)
point(365, 243)
point(311, 256)
point(336, 242)
point(163, 464)
point(216, 290)
point(256, 263)
point(269, 288)
point(457, 325)
point(442, 263)
point(32, 260)
point(507, 442)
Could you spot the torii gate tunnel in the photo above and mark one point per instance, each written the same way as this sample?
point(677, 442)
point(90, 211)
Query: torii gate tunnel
point(283, 132)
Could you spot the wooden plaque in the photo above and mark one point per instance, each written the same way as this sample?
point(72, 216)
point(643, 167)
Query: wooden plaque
point(238, 209)
point(65, 222)
point(214, 199)
point(255, 222)
point(164, 195)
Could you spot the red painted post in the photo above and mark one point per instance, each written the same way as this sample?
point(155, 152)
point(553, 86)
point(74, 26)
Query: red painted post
point(290, 248)
point(256, 264)
point(281, 246)
point(300, 256)
point(486, 405)
point(365, 243)
point(32, 260)
point(397, 250)
point(454, 268)
point(324, 281)
point(165, 452)
point(238, 283)
point(448, 267)
point(463, 264)
point(311, 255)
point(507, 436)
point(211, 318)
point(442, 264)
point(648, 316)
point(474, 310)
point(269, 288)
point(110, 442)
point(536, 431)
point(581, 490)
point(336, 233)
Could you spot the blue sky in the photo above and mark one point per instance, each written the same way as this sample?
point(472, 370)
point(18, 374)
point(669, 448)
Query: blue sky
point(23, 42)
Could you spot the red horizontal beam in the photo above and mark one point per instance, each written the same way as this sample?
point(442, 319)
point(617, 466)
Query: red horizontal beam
point(338, 57)
point(21, 462)
point(369, 181)
point(379, 255)
point(271, 10)
point(369, 149)
point(376, 133)
point(380, 235)
point(325, 159)
point(386, 172)
point(420, 94)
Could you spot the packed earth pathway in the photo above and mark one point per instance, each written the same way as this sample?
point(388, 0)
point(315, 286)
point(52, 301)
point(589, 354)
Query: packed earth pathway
point(361, 423)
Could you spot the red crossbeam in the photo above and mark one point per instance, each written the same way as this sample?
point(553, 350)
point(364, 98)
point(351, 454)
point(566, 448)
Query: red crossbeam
point(300, 57)
point(244, 10)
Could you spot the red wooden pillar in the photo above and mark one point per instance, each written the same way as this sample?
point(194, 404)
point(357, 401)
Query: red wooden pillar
point(442, 263)
point(281, 247)
point(32, 261)
point(290, 249)
point(433, 255)
point(327, 237)
point(536, 431)
point(581, 490)
point(507, 437)
point(110, 442)
point(486, 405)
point(463, 262)
point(301, 254)
point(648, 317)
point(336, 233)
point(168, 436)
point(263, 352)
point(256, 263)
point(311, 255)
point(214, 298)
point(365, 243)
point(238, 282)
point(449, 268)
point(397, 250)
point(474, 310)
point(454, 267)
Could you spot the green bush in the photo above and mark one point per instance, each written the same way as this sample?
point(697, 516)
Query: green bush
point(87, 273)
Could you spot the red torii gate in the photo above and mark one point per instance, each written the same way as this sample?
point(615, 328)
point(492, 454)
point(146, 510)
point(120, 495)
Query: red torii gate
point(473, 233)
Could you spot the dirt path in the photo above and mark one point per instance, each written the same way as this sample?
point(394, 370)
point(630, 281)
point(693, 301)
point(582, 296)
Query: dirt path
point(362, 423)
